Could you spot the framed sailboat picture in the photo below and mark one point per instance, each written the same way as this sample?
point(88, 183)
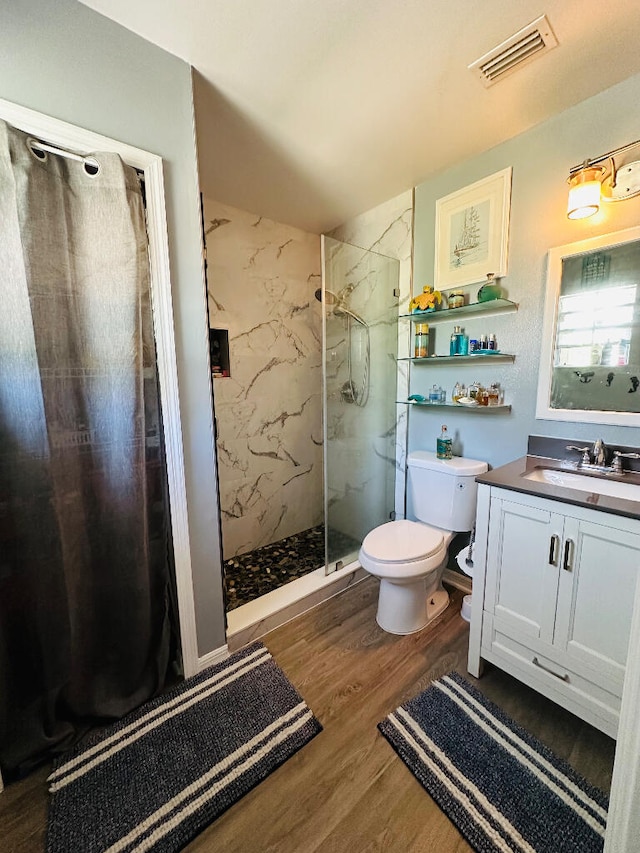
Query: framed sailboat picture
point(472, 232)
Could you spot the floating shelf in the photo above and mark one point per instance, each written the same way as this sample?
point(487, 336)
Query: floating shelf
point(447, 315)
point(434, 360)
point(486, 410)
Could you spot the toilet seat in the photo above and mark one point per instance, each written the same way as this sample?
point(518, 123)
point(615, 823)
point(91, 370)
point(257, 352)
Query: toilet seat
point(403, 550)
point(402, 541)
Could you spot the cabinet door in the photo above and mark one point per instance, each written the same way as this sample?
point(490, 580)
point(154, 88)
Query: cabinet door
point(596, 593)
point(523, 556)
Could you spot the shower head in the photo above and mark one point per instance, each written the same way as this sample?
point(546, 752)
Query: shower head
point(329, 297)
point(341, 309)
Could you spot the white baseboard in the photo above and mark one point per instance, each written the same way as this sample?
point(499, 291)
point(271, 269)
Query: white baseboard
point(456, 580)
point(215, 656)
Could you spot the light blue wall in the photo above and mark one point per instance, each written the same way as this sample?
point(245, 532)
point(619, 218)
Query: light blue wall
point(67, 61)
point(541, 159)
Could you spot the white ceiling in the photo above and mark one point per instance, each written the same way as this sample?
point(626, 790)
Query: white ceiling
point(311, 111)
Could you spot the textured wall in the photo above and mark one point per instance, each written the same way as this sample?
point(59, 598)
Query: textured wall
point(262, 278)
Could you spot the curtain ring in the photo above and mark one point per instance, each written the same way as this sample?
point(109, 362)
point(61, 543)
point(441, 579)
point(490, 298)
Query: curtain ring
point(35, 150)
point(91, 166)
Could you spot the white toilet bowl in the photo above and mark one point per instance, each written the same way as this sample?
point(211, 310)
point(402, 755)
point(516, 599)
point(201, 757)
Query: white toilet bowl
point(408, 557)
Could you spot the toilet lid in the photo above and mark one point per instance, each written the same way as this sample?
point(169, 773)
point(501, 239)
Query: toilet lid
point(402, 541)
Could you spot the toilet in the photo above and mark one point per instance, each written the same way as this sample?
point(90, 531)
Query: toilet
point(409, 557)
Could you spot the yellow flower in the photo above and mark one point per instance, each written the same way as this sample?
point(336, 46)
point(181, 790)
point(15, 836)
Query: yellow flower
point(426, 300)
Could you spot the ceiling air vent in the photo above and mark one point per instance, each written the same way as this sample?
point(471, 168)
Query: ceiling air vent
point(527, 44)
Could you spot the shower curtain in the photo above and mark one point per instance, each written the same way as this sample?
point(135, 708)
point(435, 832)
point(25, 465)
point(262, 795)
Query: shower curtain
point(84, 540)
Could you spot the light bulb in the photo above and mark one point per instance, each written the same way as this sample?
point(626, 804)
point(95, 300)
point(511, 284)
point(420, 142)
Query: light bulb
point(584, 193)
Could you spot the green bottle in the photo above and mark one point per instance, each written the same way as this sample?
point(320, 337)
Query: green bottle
point(443, 444)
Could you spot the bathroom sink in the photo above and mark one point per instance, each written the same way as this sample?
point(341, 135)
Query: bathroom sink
point(584, 483)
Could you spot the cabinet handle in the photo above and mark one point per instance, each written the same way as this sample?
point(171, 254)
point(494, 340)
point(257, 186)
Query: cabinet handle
point(536, 662)
point(553, 550)
point(568, 555)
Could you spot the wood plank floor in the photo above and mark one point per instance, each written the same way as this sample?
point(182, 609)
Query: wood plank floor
point(346, 791)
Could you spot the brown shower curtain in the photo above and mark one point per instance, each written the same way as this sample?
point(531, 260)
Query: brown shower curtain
point(84, 539)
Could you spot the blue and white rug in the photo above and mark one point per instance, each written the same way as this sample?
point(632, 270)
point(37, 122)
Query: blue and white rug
point(155, 779)
point(503, 789)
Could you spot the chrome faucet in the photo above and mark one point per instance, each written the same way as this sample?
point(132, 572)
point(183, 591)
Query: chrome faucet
point(586, 459)
point(599, 453)
point(594, 458)
point(616, 465)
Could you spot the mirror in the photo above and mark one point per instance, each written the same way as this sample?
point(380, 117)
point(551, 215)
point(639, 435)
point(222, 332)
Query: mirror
point(590, 361)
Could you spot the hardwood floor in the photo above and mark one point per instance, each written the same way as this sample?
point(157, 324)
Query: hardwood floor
point(346, 791)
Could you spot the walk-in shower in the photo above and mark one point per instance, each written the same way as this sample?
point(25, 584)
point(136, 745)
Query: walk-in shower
point(306, 419)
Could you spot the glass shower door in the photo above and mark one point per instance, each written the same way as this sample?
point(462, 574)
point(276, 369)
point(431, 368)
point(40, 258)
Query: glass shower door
point(360, 334)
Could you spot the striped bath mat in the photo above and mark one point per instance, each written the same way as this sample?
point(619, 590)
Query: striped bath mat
point(503, 789)
point(156, 778)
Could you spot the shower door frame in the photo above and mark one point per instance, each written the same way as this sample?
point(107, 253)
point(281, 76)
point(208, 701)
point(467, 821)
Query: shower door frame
point(77, 139)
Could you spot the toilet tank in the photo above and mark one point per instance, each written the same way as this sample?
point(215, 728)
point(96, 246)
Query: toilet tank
point(443, 491)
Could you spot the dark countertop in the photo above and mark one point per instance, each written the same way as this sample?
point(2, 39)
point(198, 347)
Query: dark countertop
point(510, 476)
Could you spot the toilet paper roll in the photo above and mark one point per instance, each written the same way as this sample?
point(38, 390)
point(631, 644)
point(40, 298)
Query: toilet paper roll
point(461, 560)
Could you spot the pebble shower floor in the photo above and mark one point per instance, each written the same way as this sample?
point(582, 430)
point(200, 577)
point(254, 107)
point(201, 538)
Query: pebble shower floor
point(250, 575)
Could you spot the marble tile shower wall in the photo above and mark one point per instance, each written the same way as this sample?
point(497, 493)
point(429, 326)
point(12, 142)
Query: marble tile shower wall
point(262, 277)
point(388, 229)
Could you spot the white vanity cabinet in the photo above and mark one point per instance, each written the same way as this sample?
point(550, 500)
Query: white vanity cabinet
point(553, 595)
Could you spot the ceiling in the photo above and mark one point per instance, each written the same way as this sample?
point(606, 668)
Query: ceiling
point(311, 111)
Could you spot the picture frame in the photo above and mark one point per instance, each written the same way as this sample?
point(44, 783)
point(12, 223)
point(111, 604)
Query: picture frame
point(472, 232)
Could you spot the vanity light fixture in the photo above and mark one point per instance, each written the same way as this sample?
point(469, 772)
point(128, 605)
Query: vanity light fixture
point(600, 179)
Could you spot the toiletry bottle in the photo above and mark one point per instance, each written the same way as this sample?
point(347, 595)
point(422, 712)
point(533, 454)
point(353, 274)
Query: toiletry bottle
point(463, 343)
point(457, 392)
point(454, 342)
point(443, 444)
point(434, 395)
point(483, 342)
point(492, 343)
point(421, 340)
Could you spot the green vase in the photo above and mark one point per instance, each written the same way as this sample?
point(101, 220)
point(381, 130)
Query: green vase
point(488, 292)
